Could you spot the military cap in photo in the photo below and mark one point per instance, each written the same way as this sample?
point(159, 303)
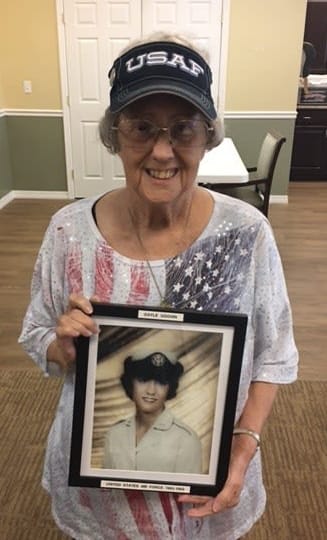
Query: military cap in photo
point(156, 358)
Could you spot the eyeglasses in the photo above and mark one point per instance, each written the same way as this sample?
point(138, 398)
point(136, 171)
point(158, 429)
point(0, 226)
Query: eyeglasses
point(186, 133)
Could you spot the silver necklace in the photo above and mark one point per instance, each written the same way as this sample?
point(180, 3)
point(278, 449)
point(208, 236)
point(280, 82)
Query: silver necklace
point(163, 302)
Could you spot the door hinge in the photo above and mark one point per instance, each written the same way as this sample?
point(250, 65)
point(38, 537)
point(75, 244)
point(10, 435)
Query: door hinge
point(73, 174)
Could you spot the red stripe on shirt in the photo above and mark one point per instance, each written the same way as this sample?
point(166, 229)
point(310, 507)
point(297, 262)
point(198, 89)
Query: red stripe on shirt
point(166, 505)
point(141, 514)
point(74, 270)
point(140, 285)
point(103, 273)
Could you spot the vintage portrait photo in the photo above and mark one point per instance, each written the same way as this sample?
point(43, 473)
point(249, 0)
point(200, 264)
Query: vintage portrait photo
point(155, 401)
point(148, 379)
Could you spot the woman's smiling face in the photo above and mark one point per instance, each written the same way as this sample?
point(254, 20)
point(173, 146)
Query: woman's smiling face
point(159, 172)
point(149, 396)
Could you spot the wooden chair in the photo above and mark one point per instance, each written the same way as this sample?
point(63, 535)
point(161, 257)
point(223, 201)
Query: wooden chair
point(257, 190)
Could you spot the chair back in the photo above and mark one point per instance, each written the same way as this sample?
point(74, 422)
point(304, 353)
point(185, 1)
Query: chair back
point(257, 190)
point(267, 160)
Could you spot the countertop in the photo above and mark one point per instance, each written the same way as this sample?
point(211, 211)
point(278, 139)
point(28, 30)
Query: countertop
point(315, 98)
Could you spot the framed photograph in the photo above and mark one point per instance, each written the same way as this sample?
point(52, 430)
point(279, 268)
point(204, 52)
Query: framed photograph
point(155, 399)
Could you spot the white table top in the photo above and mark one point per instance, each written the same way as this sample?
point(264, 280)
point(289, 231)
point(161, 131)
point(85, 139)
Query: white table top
point(222, 164)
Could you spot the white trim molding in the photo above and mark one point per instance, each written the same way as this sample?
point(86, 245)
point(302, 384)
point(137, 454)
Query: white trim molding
point(64, 95)
point(33, 112)
point(6, 199)
point(227, 114)
point(261, 114)
point(278, 199)
point(224, 41)
point(22, 194)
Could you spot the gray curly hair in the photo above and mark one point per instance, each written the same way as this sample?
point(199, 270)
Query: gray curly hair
point(109, 137)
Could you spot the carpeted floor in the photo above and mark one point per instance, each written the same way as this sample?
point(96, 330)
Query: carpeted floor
point(294, 447)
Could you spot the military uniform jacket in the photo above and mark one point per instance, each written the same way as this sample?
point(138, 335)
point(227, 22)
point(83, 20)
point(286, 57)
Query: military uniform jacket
point(168, 446)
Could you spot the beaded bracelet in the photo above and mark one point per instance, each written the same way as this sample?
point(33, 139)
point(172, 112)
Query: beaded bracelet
point(250, 432)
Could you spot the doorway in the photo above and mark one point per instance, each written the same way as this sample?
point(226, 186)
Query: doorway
point(91, 35)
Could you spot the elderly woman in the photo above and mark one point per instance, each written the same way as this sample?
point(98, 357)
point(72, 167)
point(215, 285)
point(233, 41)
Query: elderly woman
point(153, 439)
point(161, 239)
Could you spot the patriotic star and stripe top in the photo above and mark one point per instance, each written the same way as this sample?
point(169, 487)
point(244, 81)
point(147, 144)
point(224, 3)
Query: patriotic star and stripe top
point(234, 266)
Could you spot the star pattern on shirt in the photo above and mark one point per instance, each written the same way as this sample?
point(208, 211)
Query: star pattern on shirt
point(212, 272)
point(177, 287)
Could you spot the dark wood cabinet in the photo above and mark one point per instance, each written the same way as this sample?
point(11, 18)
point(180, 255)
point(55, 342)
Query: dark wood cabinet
point(315, 32)
point(309, 156)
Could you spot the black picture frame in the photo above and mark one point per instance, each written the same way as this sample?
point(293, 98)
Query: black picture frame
point(210, 348)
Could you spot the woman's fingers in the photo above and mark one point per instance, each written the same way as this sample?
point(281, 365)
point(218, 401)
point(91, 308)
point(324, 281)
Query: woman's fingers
point(75, 323)
point(94, 298)
point(80, 302)
point(194, 499)
point(207, 506)
point(202, 506)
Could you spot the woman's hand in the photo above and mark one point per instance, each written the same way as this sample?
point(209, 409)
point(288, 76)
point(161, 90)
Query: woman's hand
point(229, 496)
point(75, 322)
point(256, 411)
point(207, 506)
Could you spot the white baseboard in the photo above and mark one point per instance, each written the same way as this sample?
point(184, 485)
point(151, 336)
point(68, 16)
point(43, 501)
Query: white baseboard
point(6, 199)
point(279, 199)
point(22, 194)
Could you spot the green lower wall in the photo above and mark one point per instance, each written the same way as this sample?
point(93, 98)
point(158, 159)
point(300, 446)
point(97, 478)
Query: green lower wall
point(248, 134)
point(32, 151)
point(5, 165)
point(37, 153)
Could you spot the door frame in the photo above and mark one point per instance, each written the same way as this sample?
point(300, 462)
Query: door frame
point(224, 35)
point(65, 97)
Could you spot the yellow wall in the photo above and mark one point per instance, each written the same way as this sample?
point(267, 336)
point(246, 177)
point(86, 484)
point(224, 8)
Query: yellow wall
point(2, 52)
point(29, 50)
point(263, 63)
point(265, 47)
point(2, 99)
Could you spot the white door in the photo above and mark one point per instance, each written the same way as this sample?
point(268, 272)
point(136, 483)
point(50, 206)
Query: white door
point(199, 19)
point(93, 34)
